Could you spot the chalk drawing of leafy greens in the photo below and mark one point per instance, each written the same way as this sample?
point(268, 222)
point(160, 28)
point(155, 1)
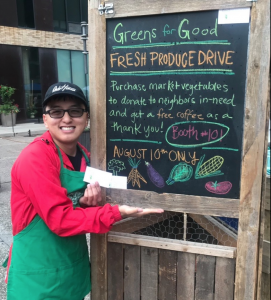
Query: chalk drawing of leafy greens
point(116, 166)
point(180, 173)
point(210, 168)
point(134, 175)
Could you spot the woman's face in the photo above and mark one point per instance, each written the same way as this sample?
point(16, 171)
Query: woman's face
point(65, 130)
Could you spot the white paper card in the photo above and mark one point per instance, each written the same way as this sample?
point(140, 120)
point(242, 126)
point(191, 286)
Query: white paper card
point(94, 175)
point(234, 16)
point(118, 182)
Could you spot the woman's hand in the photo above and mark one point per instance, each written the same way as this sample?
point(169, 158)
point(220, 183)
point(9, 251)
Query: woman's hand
point(92, 196)
point(136, 212)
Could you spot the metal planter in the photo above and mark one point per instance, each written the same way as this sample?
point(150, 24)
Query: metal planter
point(8, 120)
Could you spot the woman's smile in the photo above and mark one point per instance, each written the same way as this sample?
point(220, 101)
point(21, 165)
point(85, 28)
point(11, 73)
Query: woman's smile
point(67, 129)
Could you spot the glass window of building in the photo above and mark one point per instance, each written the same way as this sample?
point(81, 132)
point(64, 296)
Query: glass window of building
point(59, 15)
point(32, 87)
point(73, 11)
point(84, 10)
point(25, 13)
point(68, 15)
point(78, 70)
point(70, 66)
point(64, 65)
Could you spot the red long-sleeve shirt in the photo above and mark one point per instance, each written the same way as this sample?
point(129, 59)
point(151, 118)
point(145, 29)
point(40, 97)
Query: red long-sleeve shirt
point(36, 189)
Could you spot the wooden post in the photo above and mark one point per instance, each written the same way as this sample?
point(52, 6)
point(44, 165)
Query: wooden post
point(253, 150)
point(97, 66)
point(262, 231)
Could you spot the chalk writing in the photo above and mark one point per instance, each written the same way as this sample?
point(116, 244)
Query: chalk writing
point(121, 36)
point(175, 102)
point(195, 134)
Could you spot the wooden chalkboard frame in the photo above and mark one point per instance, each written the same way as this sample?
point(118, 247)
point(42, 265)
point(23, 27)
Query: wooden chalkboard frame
point(249, 206)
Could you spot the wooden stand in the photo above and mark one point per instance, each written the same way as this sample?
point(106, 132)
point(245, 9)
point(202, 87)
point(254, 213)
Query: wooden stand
point(126, 266)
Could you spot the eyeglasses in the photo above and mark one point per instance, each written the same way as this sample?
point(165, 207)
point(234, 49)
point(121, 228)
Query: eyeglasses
point(59, 113)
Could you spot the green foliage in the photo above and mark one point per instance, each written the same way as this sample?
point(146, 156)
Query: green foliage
point(7, 105)
point(8, 108)
point(6, 92)
point(31, 110)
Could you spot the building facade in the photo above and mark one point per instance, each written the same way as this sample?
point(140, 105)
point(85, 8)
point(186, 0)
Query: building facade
point(40, 44)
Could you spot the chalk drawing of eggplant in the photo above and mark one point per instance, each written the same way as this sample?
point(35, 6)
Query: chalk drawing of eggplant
point(154, 176)
point(180, 173)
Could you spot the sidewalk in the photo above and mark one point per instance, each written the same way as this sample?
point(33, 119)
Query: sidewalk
point(10, 148)
point(25, 129)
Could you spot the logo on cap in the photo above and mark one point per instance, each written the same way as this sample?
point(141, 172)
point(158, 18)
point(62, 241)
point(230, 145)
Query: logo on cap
point(63, 88)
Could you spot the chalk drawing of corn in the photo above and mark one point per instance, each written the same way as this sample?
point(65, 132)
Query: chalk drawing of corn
point(210, 168)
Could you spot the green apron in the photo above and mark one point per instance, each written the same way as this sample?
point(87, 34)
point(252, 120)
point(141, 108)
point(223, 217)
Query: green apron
point(46, 266)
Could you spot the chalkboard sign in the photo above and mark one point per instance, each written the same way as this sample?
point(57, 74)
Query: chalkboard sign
point(175, 103)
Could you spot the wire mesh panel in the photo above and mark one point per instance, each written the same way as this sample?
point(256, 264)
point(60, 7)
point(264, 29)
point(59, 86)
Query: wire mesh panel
point(186, 227)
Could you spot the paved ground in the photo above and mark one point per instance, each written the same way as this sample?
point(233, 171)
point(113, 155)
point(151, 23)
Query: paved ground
point(25, 129)
point(10, 148)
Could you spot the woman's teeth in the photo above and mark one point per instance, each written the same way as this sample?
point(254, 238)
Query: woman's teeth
point(67, 128)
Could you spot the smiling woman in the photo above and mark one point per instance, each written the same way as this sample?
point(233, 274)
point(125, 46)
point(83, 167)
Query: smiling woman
point(53, 208)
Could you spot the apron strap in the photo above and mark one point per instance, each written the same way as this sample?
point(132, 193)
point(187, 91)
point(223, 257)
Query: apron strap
point(60, 156)
point(85, 156)
point(83, 152)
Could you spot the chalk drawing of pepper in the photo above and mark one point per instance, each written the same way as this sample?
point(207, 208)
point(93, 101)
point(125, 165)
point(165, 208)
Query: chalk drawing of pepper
point(180, 173)
point(154, 176)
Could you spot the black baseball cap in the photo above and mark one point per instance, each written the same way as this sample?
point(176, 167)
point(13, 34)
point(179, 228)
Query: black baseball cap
point(64, 89)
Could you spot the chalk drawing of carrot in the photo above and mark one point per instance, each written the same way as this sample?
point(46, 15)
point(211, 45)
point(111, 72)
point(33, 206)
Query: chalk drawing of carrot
point(134, 175)
point(154, 176)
